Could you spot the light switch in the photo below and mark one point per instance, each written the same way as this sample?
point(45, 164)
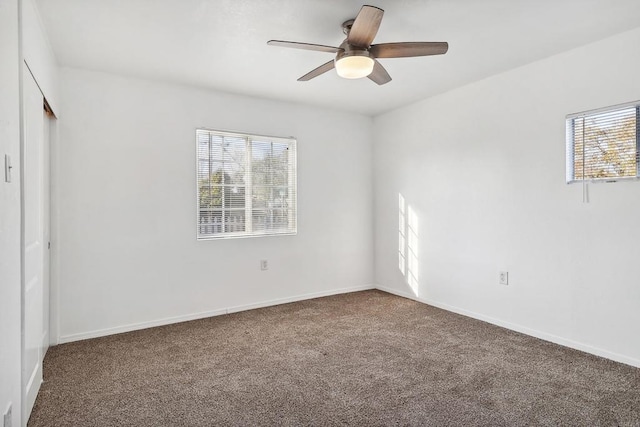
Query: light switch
point(7, 168)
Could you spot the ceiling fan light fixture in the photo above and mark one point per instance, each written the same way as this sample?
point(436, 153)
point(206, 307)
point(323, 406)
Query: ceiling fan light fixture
point(357, 57)
point(354, 67)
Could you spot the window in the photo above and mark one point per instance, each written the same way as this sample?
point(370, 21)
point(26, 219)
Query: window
point(604, 145)
point(246, 185)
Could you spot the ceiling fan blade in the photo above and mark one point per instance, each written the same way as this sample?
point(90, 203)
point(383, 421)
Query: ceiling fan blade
point(379, 74)
point(316, 72)
point(305, 46)
point(365, 26)
point(407, 49)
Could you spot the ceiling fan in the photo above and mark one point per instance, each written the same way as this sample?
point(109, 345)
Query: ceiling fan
point(356, 56)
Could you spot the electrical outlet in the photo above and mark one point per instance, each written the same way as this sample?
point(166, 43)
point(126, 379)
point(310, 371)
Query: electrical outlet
point(503, 277)
point(264, 264)
point(7, 417)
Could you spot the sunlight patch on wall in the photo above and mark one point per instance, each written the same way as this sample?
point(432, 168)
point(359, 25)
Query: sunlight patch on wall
point(412, 249)
point(408, 244)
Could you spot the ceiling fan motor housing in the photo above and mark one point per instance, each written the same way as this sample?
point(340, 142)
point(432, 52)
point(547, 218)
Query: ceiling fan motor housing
point(349, 50)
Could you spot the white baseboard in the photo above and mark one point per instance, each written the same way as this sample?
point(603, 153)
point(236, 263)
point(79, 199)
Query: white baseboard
point(518, 328)
point(201, 315)
point(299, 298)
point(137, 326)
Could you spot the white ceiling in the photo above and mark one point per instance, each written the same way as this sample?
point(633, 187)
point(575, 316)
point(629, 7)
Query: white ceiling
point(221, 44)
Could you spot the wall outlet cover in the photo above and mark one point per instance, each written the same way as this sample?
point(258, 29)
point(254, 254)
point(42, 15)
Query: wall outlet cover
point(503, 277)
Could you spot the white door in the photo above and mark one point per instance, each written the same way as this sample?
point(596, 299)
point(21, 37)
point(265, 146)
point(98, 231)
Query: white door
point(48, 119)
point(33, 241)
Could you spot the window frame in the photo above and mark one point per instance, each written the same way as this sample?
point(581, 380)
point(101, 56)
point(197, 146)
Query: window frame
point(249, 138)
point(570, 142)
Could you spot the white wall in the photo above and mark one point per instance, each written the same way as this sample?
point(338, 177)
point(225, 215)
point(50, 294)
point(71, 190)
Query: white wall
point(127, 251)
point(9, 212)
point(483, 167)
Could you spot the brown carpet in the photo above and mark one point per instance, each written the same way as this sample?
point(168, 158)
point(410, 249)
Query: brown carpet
point(366, 358)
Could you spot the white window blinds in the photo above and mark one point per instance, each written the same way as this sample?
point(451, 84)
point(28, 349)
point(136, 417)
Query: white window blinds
point(604, 144)
point(246, 185)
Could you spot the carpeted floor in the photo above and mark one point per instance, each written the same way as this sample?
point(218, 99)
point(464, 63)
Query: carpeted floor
point(366, 358)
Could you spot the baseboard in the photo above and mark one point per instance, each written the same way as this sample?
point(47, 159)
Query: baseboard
point(299, 298)
point(518, 328)
point(137, 326)
point(201, 315)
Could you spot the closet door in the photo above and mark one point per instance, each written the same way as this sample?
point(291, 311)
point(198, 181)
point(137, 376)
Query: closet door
point(33, 240)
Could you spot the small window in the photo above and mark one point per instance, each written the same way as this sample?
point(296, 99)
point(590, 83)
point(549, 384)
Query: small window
point(246, 185)
point(603, 145)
